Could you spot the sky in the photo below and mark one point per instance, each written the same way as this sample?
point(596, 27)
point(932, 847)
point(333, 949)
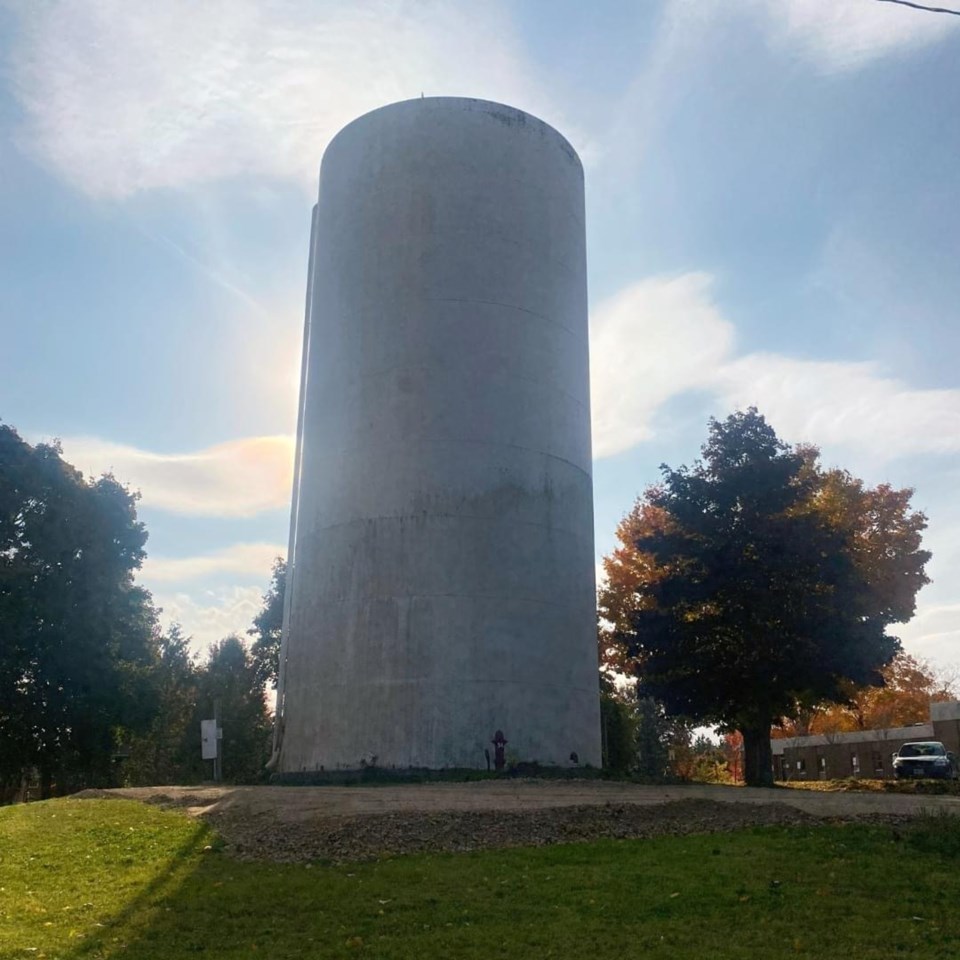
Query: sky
point(772, 195)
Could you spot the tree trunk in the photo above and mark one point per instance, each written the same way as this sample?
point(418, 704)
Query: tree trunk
point(757, 756)
point(46, 781)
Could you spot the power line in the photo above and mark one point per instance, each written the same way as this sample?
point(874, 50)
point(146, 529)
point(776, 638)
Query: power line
point(920, 6)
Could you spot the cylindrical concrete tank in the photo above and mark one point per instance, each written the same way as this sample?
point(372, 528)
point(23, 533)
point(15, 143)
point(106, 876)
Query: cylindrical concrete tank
point(442, 577)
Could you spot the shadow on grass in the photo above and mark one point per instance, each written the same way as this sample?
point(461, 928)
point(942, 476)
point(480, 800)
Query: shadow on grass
point(164, 886)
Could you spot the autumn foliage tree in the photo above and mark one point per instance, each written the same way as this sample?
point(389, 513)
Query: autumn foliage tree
point(623, 592)
point(909, 687)
point(732, 747)
point(756, 583)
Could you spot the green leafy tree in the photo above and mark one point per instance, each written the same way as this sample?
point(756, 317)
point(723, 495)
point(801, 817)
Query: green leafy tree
point(653, 740)
point(230, 676)
point(165, 753)
point(78, 636)
point(618, 728)
point(771, 584)
point(268, 627)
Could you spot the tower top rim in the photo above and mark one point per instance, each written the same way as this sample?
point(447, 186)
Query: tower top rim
point(505, 113)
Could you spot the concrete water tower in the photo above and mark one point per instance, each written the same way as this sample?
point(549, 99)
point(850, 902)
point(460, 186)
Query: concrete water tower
point(441, 583)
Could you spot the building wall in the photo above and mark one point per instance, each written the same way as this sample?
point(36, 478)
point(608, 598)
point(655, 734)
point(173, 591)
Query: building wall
point(442, 585)
point(865, 753)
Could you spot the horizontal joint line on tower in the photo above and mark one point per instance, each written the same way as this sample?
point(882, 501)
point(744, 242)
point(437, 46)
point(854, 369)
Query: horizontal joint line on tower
point(408, 442)
point(454, 516)
point(443, 681)
point(336, 601)
point(509, 306)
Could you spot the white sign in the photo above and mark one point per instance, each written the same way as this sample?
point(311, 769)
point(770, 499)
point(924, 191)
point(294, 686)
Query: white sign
point(208, 739)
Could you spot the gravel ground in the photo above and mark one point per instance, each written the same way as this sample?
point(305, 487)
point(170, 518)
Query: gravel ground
point(354, 823)
point(369, 836)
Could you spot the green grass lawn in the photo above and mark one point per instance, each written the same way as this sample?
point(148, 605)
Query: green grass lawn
point(112, 878)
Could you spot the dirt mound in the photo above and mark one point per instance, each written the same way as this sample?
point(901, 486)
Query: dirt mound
point(364, 822)
point(369, 836)
point(176, 799)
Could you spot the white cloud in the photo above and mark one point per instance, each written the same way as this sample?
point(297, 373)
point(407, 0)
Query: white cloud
point(211, 615)
point(849, 404)
point(934, 633)
point(236, 479)
point(654, 339)
point(122, 96)
point(240, 559)
point(839, 35)
point(665, 336)
point(834, 36)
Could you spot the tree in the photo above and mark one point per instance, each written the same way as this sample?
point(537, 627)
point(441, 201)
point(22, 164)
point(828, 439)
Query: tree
point(78, 635)
point(166, 752)
point(230, 677)
point(762, 584)
point(732, 747)
point(268, 627)
point(653, 750)
point(620, 596)
point(618, 728)
point(909, 687)
point(708, 761)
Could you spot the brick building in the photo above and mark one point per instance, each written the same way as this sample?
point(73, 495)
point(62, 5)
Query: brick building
point(861, 753)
